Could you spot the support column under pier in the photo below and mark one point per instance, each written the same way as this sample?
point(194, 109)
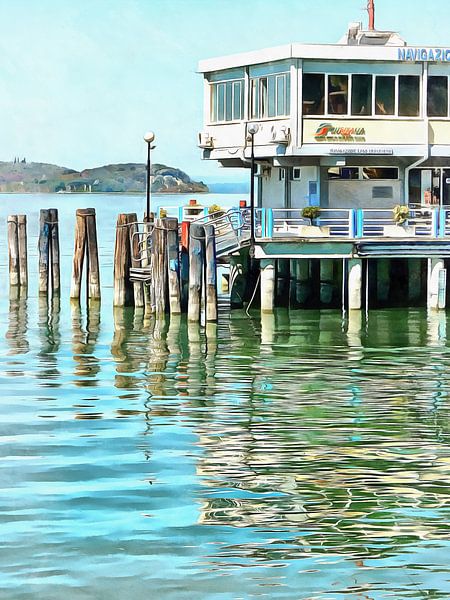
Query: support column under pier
point(414, 281)
point(302, 280)
point(267, 285)
point(383, 279)
point(354, 283)
point(436, 283)
point(326, 280)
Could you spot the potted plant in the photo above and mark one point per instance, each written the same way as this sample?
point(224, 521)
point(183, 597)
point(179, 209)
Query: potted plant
point(313, 229)
point(311, 213)
point(215, 208)
point(400, 216)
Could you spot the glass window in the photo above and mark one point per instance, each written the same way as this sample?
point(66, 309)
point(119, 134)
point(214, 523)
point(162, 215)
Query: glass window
point(343, 173)
point(437, 98)
point(384, 95)
point(408, 95)
point(226, 101)
point(281, 95)
point(313, 94)
point(380, 173)
point(337, 94)
point(269, 96)
point(361, 94)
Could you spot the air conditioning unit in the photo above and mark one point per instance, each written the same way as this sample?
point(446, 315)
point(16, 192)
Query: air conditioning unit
point(205, 140)
point(281, 135)
point(264, 170)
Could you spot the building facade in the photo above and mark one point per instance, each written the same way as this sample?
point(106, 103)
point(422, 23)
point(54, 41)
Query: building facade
point(364, 123)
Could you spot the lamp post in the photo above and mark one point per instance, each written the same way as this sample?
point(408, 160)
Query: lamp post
point(252, 129)
point(148, 138)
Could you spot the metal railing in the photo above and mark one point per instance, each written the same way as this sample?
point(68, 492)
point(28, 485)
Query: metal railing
point(286, 222)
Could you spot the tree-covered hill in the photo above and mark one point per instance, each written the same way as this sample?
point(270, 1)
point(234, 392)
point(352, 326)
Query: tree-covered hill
point(23, 177)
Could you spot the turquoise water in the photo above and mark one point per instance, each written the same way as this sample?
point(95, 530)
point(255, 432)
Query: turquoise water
point(304, 456)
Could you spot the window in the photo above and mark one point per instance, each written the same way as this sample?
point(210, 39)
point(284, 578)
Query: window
point(379, 173)
point(313, 94)
point(227, 101)
point(384, 95)
point(296, 174)
point(408, 95)
point(270, 96)
point(437, 100)
point(343, 173)
point(361, 94)
point(337, 94)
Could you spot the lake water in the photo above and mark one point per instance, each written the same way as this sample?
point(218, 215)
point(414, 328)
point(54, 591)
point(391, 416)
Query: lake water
point(304, 456)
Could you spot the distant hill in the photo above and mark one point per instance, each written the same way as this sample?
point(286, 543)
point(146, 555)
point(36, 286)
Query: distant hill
point(20, 177)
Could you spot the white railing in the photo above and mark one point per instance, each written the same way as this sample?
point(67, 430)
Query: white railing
point(377, 222)
point(285, 222)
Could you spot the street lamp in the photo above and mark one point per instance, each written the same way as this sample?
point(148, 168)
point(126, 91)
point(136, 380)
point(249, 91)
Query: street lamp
point(148, 138)
point(252, 129)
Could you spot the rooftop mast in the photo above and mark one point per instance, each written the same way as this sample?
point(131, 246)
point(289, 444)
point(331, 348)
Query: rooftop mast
point(371, 11)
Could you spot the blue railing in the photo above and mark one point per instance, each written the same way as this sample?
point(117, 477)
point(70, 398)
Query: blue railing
point(424, 222)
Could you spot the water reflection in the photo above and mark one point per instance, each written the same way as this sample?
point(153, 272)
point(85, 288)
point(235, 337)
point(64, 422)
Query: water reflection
point(85, 331)
point(16, 334)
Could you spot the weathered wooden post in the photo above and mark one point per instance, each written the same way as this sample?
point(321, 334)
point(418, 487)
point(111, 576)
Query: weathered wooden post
point(196, 262)
point(123, 291)
point(44, 250)
point(54, 250)
point(13, 250)
point(159, 267)
point(22, 240)
point(211, 273)
point(170, 224)
point(85, 246)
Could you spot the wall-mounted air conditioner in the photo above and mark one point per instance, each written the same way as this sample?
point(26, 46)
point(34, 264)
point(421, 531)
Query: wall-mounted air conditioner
point(205, 140)
point(281, 135)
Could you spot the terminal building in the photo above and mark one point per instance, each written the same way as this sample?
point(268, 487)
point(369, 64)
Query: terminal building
point(354, 128)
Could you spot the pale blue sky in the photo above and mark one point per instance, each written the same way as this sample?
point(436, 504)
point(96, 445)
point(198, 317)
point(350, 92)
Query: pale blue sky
point(82, 80)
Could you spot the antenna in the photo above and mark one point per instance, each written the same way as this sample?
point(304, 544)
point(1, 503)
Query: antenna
point(371, 11)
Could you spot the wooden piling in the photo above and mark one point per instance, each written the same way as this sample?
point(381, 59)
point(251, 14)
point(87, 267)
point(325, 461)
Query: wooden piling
point(173, 264)
point(54, 250)
point(85, 244)
point(92, 250)
point(211, 273)
point(196, 261)
point(123, 291)
point(13, 250)
point(159, 267)
point(44, 250)
point(22, 242)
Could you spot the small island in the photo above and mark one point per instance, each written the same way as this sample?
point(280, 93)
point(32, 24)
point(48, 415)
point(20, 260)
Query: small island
point(20, 176)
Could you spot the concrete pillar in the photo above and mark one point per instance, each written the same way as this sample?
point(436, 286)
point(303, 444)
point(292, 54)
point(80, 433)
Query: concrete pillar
point(414, 280)
point(326, 280)
point(283, 275)
point(267, 267)
point(436, 283)
point(383, 279)
point(354, 283)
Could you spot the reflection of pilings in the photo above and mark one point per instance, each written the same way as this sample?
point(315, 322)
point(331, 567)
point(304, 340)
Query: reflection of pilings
point(84, 341)
point(195, 376)
point(158, 357)
point(267, 328)
point(49, 313)
point(17, 322)
point(437, 328)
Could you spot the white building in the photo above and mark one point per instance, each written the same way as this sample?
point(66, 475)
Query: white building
point(361, 123)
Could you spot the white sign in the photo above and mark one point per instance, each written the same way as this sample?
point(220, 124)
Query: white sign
point(362, 150)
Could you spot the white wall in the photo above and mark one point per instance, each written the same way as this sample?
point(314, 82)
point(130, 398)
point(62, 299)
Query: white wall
point(358, 194)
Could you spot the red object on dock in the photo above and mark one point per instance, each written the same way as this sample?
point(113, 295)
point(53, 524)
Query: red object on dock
point(242, 203)
point(185, 235)
point(192, 202)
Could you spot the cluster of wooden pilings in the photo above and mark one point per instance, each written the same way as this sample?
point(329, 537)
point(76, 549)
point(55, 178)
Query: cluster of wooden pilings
point(85, 252)
point(158, 269)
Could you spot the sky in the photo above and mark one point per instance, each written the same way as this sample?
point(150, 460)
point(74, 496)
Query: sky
point(81, 81)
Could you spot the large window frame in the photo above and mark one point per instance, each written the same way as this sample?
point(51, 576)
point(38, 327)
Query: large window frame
point(227, 100)
point(373, 114)
point(270, 96)
point(439, 117)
